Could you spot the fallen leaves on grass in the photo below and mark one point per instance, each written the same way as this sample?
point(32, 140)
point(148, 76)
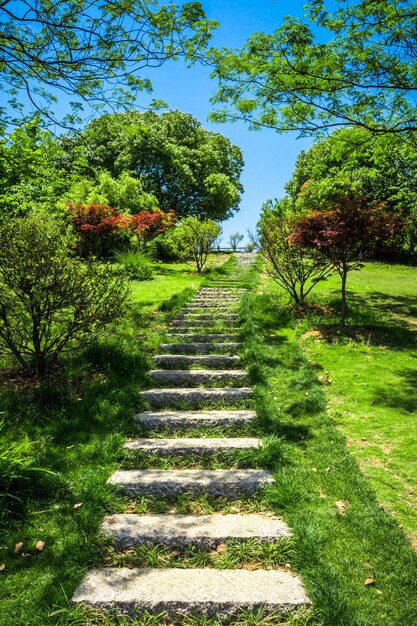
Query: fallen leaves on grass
point(221, 548)
point(40, 545)
point(18, 547)
point(369, 582)
point(342, 506)
point(2, 567)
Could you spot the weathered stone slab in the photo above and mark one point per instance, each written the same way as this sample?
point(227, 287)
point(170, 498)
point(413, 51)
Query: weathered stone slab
point(216, 300)
point(170, 483)
point(204, 323)
point(200, 338)
point(159, 398)
point(157, 420)
point(219, 593)
point(203, 348)
point(203, 531)
point(192, 445)
point(192, 308)
point(190, 329)
point(208, 316)
point(222, 290)
point(194, 378)
point(186, 360)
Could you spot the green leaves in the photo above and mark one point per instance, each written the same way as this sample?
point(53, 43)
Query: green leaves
point(360, 72)
point(197, 238)
point(91, 50)
point(49, 300)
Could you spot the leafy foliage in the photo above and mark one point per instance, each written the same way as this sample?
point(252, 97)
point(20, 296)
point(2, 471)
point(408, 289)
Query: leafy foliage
point(294, 268)
point(101, 229)
point(188, 169)
point(134, 265)
point(352, 162)
point(345, 234)
point(124, 193)
point(92, 52)
point(50, 301)
point(234, 240)
point(354, 66)
point(198, 237)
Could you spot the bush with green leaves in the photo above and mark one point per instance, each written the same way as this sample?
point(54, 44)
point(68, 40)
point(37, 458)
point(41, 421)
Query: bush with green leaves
point(198, 237)
point(50, 301)
point(167, 246)
point(133, 264)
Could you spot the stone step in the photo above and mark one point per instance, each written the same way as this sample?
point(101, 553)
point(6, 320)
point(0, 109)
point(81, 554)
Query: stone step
point(220, 290)
point(185, 360)
point(192, 445)
point(190, 328)
point(208, 337)
point(207, 316)
point(204, 323)
point(220, 298)
point(215, 302)
point(160, 398)
point(192, 308)
point(179, 531)
point(170, 483)
point(157, 420)
point(192, 592)
point(201, 348)
point(195, 378)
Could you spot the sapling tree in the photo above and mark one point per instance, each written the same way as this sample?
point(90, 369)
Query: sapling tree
point(197, 238)
point(345, 235)
point(50, 301)
point(234, 240)
point(294, 268)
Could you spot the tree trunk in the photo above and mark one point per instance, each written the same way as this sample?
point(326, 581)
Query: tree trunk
point(344, 303)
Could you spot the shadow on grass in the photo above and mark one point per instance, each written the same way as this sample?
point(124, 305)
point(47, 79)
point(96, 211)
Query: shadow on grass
point(335, 550)
point(377, 319)
point(403, 396)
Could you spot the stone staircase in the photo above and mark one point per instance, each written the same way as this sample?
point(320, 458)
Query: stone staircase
point(186, 399)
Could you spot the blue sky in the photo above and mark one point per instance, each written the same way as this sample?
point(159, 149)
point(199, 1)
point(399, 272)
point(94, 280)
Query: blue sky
point(269, 157)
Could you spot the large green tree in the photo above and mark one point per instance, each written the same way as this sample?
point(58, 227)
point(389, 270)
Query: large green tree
point(355, 66)
point(353, 163)
point(91, 52)
point(189, 169)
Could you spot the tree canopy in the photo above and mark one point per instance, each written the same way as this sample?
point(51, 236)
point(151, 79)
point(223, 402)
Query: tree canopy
point(92, 52)
point(349, 163)
point(189, 169)
point(130, 161)
point(355, 66)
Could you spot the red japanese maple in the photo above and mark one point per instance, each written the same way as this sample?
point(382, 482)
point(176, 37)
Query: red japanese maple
point(346, 233)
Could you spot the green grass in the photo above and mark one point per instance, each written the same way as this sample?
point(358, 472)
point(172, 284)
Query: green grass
point(368, 373)
point(74, 427)
point(313, 390)
point(314, 387)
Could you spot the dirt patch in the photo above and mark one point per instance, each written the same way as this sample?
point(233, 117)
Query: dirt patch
point(387, 448)
point(315, 334)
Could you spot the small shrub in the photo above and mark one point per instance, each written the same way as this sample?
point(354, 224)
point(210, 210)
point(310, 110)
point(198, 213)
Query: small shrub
point(134, 265)
point(167, 246)
point(99, 228)
point(197, 238)
point(49, 300)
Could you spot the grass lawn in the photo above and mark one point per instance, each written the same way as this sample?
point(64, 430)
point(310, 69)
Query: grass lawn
point(369, 374)
point(73, 427)
point(315, 388)
point(319, 387)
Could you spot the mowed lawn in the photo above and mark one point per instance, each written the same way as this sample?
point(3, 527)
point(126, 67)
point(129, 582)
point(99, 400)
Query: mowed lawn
point(73, 429)
point(369, 373)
